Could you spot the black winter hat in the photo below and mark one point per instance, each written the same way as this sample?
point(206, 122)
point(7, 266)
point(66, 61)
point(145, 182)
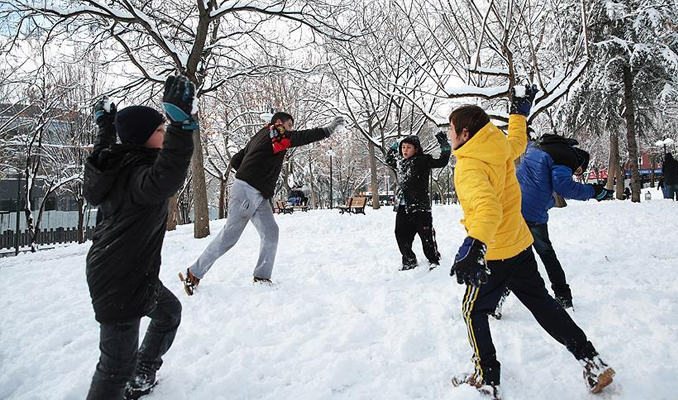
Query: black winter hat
point(582, 158)
point(136, 124)
point(413, 140)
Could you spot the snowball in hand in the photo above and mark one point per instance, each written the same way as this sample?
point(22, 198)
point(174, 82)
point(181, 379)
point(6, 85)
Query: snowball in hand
point(519, 91)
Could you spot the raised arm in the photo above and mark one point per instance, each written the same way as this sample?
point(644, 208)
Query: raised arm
point(445, 151)
point(167, 174)
point(521, 104)
point(104, 117)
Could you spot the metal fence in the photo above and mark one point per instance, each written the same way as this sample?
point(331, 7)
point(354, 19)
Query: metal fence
point(48, 236)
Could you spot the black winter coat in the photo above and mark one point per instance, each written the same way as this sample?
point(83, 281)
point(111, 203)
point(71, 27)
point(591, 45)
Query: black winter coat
point(670, 170)
point(131, 184)
point(259, 166)
point(413, 175)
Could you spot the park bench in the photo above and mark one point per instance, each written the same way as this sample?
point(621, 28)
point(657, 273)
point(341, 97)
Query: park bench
point(283, 208)
point(354, 205)
point(301, 207)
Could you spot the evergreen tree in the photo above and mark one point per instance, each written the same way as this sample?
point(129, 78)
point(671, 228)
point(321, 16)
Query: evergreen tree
point(632, 73)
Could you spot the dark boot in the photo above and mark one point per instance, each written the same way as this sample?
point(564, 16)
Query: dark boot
point(141, 384)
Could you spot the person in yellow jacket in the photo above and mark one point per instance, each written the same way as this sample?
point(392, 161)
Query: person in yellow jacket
point(497, 251)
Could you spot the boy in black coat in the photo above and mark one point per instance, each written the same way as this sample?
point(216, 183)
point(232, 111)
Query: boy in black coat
point(131, 183)
point(414, 205)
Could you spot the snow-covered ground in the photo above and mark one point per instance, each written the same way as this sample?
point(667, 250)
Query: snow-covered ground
point(343, 323)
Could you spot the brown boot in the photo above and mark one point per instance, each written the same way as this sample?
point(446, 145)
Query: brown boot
point(190, 282)
point(487, 390)
point(597, 374)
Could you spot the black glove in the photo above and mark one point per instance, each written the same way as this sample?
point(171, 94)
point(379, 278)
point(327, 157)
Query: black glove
point(336, 122)
point(522, 105)
point(102, 117)
point(178, 102)
point(469, 263)
point(600, 193)
point(441, 137)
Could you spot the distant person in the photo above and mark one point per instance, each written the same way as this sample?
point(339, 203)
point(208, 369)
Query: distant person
point(414, 217)
point(496, 253)
point(670, 174)
point(258, 167)
point(131, 183)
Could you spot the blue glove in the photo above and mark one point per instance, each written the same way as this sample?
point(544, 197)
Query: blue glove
point(469, 263)
point(102, 117)
point(394, 145)
point(522, 105)
point(600, 193)
point(178, 102)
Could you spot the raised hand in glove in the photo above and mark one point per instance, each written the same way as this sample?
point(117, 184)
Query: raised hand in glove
point(600, 193)
point(521, 103)
point(178, 102)
point(469, 263)
point(441, 137)
point(336, 122)
point(104, 112)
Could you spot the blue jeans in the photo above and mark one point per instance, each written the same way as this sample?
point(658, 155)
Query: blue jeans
point(543, 247)
point(118, 343)
point(670, 191)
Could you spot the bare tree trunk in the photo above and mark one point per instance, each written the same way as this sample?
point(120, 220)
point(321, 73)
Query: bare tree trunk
point(374, 183)
point(629, 116)
point(172, 208)
point(201, 224)
point(613, 170)
point(222, 198)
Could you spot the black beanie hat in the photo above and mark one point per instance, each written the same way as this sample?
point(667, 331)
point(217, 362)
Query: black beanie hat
point(582, 158)
point(136, 124)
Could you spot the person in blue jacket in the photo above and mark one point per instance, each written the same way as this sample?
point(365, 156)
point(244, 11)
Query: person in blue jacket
point(548, 167)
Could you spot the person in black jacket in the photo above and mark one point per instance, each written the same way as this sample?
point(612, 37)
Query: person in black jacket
point(258, 166)
point(414, 205)
point(131, 183)
point(670, 175)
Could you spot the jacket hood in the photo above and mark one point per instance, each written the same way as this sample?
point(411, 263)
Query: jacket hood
point(103, 169)
point(488, 145)
point(414, 141)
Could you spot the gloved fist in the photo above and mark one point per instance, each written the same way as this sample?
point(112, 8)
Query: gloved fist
point(178, 102)
point(104, 112)
point(394, 145)
point(600, 193)
point(521, 103)
point(469, 263)
point(441, 137)
point(336, 122)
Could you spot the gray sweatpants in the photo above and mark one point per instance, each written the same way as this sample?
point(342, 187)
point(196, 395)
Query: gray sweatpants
point(246, 203)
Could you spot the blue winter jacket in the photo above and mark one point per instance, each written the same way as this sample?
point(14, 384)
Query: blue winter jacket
point(539, 177)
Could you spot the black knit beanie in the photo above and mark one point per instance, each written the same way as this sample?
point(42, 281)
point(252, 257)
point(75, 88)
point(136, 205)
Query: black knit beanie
point(136, 124)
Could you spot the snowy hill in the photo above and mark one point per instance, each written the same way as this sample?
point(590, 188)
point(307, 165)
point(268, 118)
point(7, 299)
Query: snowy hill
point(343, 323)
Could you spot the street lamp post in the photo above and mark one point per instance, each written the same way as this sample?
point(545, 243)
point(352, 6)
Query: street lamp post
point(18, 213)
point(331, 153)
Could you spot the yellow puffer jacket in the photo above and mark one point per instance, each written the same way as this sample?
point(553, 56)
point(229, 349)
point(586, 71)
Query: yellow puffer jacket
point(488, 190)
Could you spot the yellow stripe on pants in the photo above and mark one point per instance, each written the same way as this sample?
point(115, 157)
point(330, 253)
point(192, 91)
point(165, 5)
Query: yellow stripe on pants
point(467, 307)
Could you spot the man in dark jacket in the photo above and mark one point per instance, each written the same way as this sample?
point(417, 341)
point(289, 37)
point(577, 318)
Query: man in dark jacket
point(548, 168)
point(414, 205)
point(131, 183)
point(258, 166)
point(670, 175)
